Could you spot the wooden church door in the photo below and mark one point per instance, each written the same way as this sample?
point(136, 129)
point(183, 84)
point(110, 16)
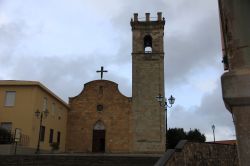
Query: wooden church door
point(98, 143)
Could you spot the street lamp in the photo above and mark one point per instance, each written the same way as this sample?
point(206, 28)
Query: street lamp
point(213, 128)
point(163, 103)
point(40, 115)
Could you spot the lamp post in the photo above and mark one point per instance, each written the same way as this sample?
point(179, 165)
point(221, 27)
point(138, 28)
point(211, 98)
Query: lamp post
point(163, 103)
point(40, 115)
point(213, 128)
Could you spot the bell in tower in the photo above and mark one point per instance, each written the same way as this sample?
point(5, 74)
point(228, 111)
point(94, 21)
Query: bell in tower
point(148, 44)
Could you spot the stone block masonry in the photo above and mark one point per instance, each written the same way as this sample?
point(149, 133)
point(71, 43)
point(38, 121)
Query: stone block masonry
point(76, 160)
point(200, 154)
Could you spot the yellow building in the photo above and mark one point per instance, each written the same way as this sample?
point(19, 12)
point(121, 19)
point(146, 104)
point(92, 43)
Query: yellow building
point(20, 101)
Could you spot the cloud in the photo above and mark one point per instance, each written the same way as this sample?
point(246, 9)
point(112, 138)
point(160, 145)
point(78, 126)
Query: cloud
point(192, 35)
point(65, 76)
point(191, 44)
point(63, 46)
point(192, 59)
point(211, 111)
point(11, 34)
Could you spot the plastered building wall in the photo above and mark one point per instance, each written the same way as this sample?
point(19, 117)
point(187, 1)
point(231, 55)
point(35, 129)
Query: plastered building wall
point(30, 98)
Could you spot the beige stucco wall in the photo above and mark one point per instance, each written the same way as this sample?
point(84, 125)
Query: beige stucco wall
point(21, 114)
point(29, 99)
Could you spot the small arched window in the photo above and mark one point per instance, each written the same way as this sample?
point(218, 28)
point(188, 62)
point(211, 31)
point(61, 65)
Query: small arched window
point(148, 44)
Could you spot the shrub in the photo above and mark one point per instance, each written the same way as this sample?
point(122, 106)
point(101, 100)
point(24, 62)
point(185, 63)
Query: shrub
point(54, 146)
point(174, 135)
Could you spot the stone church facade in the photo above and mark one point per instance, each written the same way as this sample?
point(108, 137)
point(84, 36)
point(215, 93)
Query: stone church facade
point(101, 119)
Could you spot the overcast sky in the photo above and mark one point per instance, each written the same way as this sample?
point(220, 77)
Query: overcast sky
point(62, 43)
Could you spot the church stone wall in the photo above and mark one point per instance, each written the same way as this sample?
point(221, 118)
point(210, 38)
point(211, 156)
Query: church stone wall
point(149, 118)
point(147, 83)
point(115, 116)
point(205, 154)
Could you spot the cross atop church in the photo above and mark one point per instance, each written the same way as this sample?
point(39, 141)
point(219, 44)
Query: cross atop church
point(101, 71)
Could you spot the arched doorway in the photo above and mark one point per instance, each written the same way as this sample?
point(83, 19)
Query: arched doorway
point(98, 143)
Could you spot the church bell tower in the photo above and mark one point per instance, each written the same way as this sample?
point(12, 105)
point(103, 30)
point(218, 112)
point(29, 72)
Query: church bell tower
point(148, 120)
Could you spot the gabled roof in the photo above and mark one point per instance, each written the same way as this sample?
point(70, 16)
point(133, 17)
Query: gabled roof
point(95, 83)
point(32, 83)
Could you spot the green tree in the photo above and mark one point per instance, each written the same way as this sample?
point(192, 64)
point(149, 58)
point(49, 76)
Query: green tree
point(195, 136)
point(174, 135)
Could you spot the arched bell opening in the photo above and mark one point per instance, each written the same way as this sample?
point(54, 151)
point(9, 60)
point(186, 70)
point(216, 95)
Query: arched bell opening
point(148, 44)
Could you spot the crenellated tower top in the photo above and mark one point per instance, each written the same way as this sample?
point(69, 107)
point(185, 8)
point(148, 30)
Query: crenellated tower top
point(148, 34)
point(137, 22)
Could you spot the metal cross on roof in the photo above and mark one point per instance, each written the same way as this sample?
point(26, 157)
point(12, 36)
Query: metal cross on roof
point(101, 71)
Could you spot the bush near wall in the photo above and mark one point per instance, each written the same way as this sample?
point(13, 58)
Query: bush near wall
point(174, 135)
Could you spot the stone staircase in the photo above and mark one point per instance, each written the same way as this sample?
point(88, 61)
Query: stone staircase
point(77, 160)
point(6, 149)
point(9, 149)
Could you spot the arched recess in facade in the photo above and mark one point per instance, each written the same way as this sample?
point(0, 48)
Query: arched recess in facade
point(98, 143)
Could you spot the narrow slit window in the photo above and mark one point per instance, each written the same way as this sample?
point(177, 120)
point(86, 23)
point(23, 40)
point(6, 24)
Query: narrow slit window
point(101, 90)
point(45, 103)
point(42, 133)
point(58, 137)
point(53, 108)
point(51, 136)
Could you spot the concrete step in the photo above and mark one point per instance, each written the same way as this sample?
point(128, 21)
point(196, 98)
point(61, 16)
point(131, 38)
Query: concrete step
point(9, 149)
point(6, 149)
point(76, 160)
